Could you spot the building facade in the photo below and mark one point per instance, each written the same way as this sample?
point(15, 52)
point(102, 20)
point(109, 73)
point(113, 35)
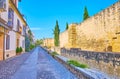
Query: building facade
point(13, 30)
point(48, 42)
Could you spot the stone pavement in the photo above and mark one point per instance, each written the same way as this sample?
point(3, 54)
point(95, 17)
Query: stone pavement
point(48, 68)
point(35, 65)
point(10, 66)
point(28, 69)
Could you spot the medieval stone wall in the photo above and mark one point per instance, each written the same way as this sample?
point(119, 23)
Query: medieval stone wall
point(100, 32)
point(64, 39)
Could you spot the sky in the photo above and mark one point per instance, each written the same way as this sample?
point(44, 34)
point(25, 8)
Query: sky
point(41, 15)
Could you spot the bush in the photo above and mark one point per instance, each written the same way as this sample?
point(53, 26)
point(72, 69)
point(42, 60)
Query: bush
point(75, 63)
point(54, 53)
point(20, 49)
point(27, 49)
point(27, 44)
point(32, 46)
point(17, 50)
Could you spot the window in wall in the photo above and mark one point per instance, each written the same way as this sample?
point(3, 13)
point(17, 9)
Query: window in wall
point(7, 42)
point(18, 24)
point(10, 17)
point(24, 30)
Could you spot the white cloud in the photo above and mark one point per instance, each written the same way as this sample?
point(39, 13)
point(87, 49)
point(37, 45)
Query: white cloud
point(35, 29)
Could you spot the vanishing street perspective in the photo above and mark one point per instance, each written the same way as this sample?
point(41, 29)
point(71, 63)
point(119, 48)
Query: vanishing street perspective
point(59, 39)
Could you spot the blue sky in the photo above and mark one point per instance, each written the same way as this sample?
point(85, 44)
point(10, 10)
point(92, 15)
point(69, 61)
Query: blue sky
point(41, 15)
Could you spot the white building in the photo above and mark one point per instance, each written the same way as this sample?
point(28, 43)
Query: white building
point(14, 33)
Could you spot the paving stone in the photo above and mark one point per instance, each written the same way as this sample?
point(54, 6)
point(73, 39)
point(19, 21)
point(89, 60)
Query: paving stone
point(35, 65)
point(46, 64)
point(11, 65)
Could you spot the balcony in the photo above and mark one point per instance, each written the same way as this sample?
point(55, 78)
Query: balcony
point(10, 23)
point(3, 24)
point(19, 29)
point(10, 17)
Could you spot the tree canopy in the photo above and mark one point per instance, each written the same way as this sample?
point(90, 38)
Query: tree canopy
point(86, 14)
point(67, 26)
point(38, 42)
point(56, 34)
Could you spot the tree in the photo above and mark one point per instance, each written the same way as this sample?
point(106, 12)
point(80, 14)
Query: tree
point(39, 42)
point(30, 35)
point(67, 26)
point(32, 46)
point(86, 15)
point(28, 40)
point(27, 43)
point(56, 34)
point(29, 31)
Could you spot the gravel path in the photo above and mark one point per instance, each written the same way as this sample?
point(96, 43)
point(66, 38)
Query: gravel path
point(35, 65)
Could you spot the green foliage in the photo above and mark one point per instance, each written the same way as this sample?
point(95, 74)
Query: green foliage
point(27, 43)
point(32, 46)
point(20, 49)
point(28, 40)
point(29, 31)
point(17, 50)
point(30, 35)
point(56, 34)
point(86, 14)
point(54, 53)
point(75, 63)
point(38, 42)
point(67, 26)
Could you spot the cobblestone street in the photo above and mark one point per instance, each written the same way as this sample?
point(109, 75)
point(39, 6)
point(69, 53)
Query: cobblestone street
point(10, 66)
point(34, 65)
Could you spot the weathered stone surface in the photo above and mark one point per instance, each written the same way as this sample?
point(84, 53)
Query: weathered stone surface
point(48, 68)
point(106, 62)
point(98, 33)
point(10, 66)
point(35, 65)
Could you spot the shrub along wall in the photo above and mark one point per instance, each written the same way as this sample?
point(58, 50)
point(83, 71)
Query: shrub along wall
point(78, 73)
point(103, 61)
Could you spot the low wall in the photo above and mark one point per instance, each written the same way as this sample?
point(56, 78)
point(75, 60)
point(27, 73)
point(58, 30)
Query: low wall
point(106, 62)
point(56, 49)
point(78, 73)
